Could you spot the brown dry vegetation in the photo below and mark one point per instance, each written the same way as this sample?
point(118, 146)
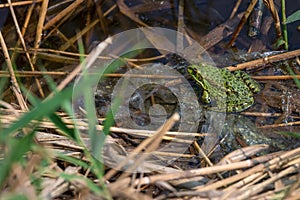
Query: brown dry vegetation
point(41, 154)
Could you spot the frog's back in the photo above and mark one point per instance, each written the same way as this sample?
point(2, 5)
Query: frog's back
point(212, 74)
point(239, 95)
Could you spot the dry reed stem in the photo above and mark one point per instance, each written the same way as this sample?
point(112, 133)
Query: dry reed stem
point(260, 114)
point(89, 61)
point(264, 61)
point(271, 7)
point(62, 14)
point(124, 61)
point(24, 28)
point(246, 182)
point(83, 31)
point(270, 165)
point(73, 39)
point(246, 193)
point(8, 119)
point(219, 33)
point(207, 160)
point(274, 163)
point(234, 10)
point(10, 108)
point(39, 28)
point(279, 125)
point(237, 188)
point(185, 174)
point(242, 22)
point(15, 86)
point(148, 145)
point(279, 77)
point(127, 12)
point(32, 73)
point(24, 46)
point(88, 19)
point(55, 30)
point(246, 152)
point(158, 153)
point(19, 3)
point(38, 73)
point(101, 18)
point(30, 50)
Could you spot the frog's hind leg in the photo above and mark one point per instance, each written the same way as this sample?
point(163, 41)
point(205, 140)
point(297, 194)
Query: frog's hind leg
point(239, 105)
point(252, 84)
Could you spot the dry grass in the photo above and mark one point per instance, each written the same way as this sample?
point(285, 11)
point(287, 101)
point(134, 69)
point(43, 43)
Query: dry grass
point(44, 157)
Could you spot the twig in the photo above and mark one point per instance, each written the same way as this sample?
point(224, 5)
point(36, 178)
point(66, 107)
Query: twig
point(148, 145)
point(39, 28)
point(282, 77)
point(20, 3)
point(62, 14)
point(242, 22)
point(24, 46)
point(259, 187)
point(79, 35)
point(270, 165)
point(220, 32)
point(274, 13)
point(202, 154)
point(235, 9)
point(279, 125)
point(263, 61)
point(92, 57)
point(24, 28)
point(101, 18)
point(15, 86)
point(32, 73)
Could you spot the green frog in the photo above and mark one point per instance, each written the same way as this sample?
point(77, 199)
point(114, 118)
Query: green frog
point(222, 90)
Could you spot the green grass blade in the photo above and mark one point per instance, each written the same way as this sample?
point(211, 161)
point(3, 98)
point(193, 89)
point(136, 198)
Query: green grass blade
point(17, 148)
point(293, 17)
point(62, 126)
point(292, 134)
point(69, 159)
point(42, 110)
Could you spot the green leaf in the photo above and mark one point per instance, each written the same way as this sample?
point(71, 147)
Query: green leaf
point(45, 108)
point(292, 134)
point(15, 197)
point(293, 17)
point(279, 42)
point(61, 125)
point(91, 185)
point(296, 80)
point(75, 161)
point(17, 148)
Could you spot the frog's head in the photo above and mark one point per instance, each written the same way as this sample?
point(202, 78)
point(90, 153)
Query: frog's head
point(194, 72)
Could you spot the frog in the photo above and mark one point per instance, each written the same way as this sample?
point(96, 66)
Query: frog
point(222, 90)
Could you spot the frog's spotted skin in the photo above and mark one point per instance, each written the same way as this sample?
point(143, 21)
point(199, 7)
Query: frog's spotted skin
point(224, 91)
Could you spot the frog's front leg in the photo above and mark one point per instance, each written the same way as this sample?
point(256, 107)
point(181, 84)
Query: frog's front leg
point(205, 98)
